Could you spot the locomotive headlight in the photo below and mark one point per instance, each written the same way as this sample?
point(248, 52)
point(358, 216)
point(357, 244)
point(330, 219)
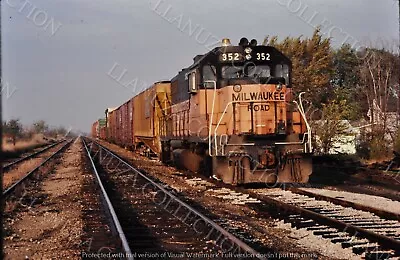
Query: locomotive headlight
point(279, 87)
point(237, 88)
point(248, 50)
point(248, 57)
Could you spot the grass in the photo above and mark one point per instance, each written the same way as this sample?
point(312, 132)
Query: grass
point(22, 146)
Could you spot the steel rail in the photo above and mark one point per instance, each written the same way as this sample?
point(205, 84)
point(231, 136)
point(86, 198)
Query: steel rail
point(9, 190)
point(8, 166)
point(379, 212)
point(110, 208)
point(382, 240)
point(217, 227)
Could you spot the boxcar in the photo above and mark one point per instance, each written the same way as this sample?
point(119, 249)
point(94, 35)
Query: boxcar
point(111, 126)
point(94, 131)
point(149, 107)
point(126, 125)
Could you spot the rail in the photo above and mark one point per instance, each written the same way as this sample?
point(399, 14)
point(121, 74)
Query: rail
point(214, 225)
point(8, 191)
point(8, 166)
point(110, 207)
point(381, 213)
point(384, 241)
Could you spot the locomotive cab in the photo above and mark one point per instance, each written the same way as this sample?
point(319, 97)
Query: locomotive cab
point(233, 114)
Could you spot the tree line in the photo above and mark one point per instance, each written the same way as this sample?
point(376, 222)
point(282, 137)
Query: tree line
point(15, 130)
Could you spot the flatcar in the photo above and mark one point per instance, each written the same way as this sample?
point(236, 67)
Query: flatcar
point(231, 114)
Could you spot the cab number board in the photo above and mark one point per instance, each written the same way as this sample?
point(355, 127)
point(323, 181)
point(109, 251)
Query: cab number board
point(263, 56)
point(231, 56)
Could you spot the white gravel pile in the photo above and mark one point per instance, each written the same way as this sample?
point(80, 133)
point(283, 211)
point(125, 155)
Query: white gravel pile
point(235, 197)
point(199, 183)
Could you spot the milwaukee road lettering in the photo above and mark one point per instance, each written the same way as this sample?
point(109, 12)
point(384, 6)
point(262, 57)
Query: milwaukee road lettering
point(259, 96)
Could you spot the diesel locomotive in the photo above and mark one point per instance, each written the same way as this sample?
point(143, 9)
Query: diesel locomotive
point(232, 114)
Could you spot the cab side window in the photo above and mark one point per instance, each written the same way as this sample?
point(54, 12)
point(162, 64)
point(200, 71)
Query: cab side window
point(209, 74)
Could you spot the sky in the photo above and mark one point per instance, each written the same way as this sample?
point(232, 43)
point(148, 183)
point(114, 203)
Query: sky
point(66, 61)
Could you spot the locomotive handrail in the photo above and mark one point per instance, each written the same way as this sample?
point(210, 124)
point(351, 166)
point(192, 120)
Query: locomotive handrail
point(301, 110)
point(212, 113)
point(305, 120)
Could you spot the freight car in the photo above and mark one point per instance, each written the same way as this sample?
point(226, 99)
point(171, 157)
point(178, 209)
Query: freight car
point(231, 114)
point(99, 129)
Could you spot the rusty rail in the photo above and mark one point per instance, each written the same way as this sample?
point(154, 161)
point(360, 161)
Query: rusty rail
point(239, 243)
point(381, 213)
point(8, 166)
point(10, 190)
point(284, 208)
point(110, 208)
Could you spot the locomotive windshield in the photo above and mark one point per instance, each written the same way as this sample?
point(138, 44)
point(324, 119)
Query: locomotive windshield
point(253, 72)
point(247, 71)
point(253, 64)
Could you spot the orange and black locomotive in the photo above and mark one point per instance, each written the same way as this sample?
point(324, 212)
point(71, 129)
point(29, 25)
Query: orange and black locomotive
point(231, 114)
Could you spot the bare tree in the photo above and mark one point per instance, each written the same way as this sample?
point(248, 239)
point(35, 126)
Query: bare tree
point(378, 76)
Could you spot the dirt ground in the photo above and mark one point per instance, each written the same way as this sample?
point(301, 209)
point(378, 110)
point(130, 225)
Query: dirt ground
point(47, 222)
point(24, 167)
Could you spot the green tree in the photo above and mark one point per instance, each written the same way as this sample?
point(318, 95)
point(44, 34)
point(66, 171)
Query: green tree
point(345, 62)
point(312, 60)
point(331, 128)
point(13, 128)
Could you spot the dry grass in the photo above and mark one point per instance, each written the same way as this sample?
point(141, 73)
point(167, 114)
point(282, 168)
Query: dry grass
point(12, 176)
point(22, 145)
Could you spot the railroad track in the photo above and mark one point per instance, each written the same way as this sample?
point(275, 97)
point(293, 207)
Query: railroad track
point(370, 232)
point(19, 183)
point(8, 166)
point(109, 208)
point(366, 233)
point(153, 219)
